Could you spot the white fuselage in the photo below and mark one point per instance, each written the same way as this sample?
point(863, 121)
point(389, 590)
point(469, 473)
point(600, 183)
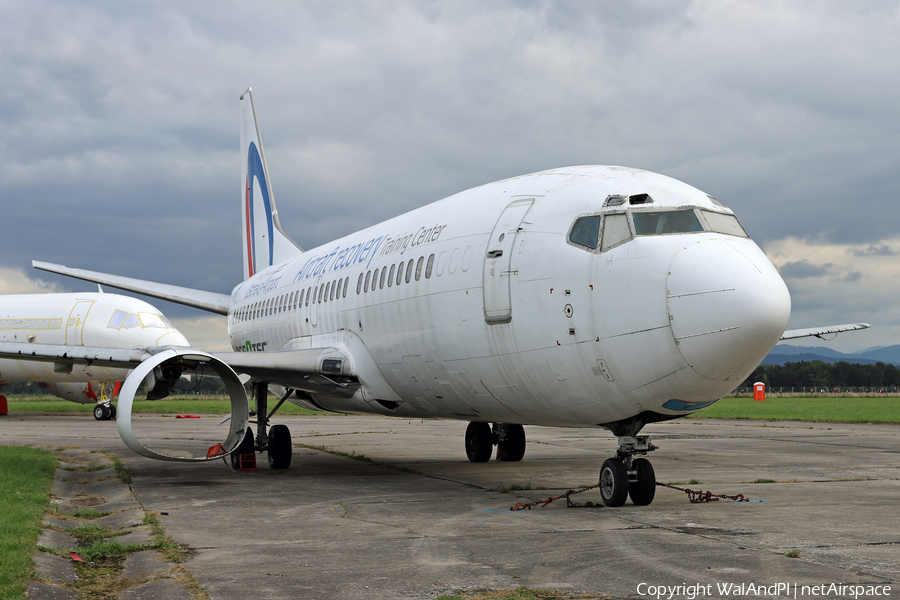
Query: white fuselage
point(503, 317)
point(79, 319)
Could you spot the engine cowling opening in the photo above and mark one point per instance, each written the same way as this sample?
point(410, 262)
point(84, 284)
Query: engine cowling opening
point(158, 371)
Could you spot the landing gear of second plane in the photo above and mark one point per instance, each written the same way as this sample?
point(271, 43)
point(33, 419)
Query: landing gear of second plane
point(104, 411)
point(621, 476)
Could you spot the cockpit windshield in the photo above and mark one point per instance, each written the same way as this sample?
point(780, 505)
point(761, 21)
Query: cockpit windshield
point(673, 221)
point(617, 228)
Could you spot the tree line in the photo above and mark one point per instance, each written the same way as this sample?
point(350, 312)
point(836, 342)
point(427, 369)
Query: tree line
point(819, 374)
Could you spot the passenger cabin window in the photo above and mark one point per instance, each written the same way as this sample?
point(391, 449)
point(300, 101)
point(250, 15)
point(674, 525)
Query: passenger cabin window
point(400, 273)
point(661, 223)
point(409, 268)
point(346, 285)
point(429, 266)
point(615, 231)
point(359, 284)
point(419, 267)
point(391, 275)
point(585, 231)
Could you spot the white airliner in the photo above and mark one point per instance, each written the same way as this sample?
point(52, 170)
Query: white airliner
point(589, 296)
point(82, 319)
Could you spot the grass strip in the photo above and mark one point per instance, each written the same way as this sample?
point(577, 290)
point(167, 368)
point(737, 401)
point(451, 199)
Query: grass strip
point(817, 410)
point(25, 478)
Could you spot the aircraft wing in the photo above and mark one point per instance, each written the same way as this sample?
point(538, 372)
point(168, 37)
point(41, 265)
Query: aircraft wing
point(315, 370)
point(209, 301)
point(792, 334)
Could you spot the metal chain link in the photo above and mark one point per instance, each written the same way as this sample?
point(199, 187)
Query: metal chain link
point(696, 497)
point(569, 503)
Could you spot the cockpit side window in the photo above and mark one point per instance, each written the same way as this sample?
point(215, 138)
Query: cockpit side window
point(724, 223)
point(615, 231)
point(661, 223)
point(117, 319)
point(151, 320)
point(585, 231)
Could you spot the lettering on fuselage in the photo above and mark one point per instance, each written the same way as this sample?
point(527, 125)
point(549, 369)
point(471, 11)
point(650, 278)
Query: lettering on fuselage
point(365, 252)
point(262, 287)
point(251, 347)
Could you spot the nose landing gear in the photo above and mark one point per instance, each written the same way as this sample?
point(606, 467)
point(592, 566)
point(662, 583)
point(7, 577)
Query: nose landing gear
point(624, 475)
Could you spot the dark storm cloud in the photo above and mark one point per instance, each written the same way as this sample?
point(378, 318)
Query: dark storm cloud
point(803, 268)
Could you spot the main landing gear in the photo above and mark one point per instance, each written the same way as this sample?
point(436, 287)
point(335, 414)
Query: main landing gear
point(624, 475)
point(276, 441)
point(482, 437)
point(104, 411)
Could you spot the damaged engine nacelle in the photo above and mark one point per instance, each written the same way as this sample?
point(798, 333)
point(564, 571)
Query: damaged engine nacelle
point(161, 381)
point(158, 371)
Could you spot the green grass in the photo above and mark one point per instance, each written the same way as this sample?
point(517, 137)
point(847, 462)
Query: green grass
point(25, 477)
point(215, 405)
point(819, 410)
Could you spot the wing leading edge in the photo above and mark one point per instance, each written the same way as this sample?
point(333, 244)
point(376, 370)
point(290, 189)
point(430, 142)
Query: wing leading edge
point(792, 334)
point(314, 370)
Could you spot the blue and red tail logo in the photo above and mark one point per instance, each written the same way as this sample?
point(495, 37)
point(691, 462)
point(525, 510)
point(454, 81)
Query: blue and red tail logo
point(255, 170)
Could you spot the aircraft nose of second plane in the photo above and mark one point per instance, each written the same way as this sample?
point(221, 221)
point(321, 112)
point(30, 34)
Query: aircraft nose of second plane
point(728, 307)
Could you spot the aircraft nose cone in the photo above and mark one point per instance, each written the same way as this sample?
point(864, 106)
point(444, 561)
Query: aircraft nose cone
point(728, 307)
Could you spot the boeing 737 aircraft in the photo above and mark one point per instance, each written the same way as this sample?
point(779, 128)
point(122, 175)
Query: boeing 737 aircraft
point(589, 296)
point(82, 319)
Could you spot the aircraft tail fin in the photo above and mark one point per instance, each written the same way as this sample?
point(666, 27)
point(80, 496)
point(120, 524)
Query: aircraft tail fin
point(264, 242)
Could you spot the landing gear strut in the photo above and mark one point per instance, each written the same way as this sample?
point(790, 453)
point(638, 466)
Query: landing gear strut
point(482, 437)
point(276, 441)
point(624, 475)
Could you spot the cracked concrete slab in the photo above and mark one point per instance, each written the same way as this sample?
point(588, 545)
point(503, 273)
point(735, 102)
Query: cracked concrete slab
point(136, 536)
point(161, 589)
point(59, 542)
point(55, 569)
point(42, 591)
point(145, 565)
point(121, 520)
point(83, 476)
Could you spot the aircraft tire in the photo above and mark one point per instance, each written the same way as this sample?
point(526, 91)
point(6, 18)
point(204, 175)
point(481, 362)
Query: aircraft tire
point(511, 446)
point(101, 412)
point(478, 442)
point(112, 411)
point(279, 447)
point(643, 490)
point(613, 482)
point(247, 446)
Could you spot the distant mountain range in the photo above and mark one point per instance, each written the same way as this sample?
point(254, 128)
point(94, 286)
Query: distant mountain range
point(787, 353)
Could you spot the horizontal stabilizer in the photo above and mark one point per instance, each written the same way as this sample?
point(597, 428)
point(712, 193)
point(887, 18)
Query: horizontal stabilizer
point(792, 334)
point(209, 301)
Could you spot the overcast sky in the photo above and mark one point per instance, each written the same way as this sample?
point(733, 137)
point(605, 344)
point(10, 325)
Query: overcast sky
point(119, 127)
